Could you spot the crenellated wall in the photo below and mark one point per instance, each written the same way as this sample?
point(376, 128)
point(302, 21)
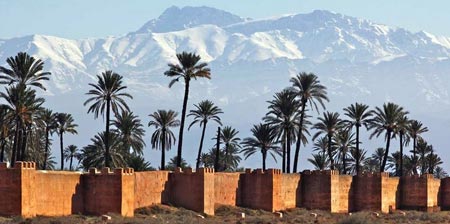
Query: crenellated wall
point(28, 192)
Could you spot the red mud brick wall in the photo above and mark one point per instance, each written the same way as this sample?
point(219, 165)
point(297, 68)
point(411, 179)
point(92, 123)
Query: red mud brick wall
point(316, 189)
point(433, 186)
point(58, 193)
point(128, 194)
point(227, 189)
point(257, 190)
point(10, 191)
point(367, 192)
point(445, 193)
point(193, 190)
point(151, 187)
point(413, 192)
point(291, 190)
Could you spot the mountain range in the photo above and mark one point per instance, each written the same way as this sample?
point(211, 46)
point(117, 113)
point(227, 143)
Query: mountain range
point(358, 60)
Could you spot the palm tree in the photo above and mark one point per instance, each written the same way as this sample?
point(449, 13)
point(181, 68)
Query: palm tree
point(378, 156)
point(131, 132)
point(364, 163)
point(423, 149)
point(228, 136)
point(48, 120)
point(228, 162)
point(440, 173)
point(393, 162)
point(345, 143)
point(138, 163)
point(69, 153)
point(319, 161)
point(283, 115)
point(107, 94)
point(328, 125)
point(402, 128)
point(188, 68)
point(65, 124)
point(309, 90)
point(358, 115)
point(5, 126)
point(263, 140)
point(163, 137)
point(415, 129)
point(172, 164)
point(385, 121)
point(433, 161)
point(24, 71)
point(205, 111)
point(94, 154)
point(22, 104)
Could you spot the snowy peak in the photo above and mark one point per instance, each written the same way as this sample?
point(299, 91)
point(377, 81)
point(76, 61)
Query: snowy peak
point(175, 19)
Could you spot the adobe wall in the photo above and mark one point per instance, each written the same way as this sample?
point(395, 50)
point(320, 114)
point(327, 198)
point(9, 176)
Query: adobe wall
point(317, 189)
point(193, 190)
point(151, 187)
point(227, 189)
point(59, 193)
point(291, 190)
point(445, 193)
point(261, 190)
point(419, 192)
point(390, 193)
point(342, 197)
point(109, 191)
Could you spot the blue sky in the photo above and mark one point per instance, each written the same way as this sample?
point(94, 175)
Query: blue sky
point(99, 18)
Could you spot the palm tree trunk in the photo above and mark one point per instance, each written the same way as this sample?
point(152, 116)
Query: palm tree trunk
point(62, 149)
point(414, 156)
point(108, 105)
point(401, 155)
point(330, 154)
point(216, 160)
point(424, 164)
point(197, 165)
point(183, 115)
point(71, 159)
point(358, 153)
point(163, 151)
point(19, 145)
point(16, 139)
point(288, 159)
point(386, 153)
point(283, 166)
point(24, 144)
point(344, 162)
point(225, 160)
point(46, 148)
point(2, 154)
point(299, 137)
point(264, 154)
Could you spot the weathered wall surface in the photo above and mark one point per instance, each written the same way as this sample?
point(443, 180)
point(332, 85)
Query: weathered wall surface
point(445, 193)
point(420, 192)
point(367, 192)
point(58, 193)
point(10, 191)
point(342, 193)
point(193, 190)
point(227, 189)
point(151, 187)
point(291, 190)
point(389, 192)
point(257, 190)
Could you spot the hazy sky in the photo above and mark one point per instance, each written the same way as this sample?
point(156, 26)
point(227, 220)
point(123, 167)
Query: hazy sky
point(99, 18)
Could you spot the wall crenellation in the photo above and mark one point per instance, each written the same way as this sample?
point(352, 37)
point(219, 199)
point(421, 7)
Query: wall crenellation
point(122, 190)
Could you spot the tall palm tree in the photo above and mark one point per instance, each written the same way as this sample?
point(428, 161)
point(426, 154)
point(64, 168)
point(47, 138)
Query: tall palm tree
point(402, 130)
point(319, 161)
point(93, 155)
point(433, 161)
point(5, 126)
point(328, 125)
point(188, 68)
point(283, 115)
point(131, 132)
point(69, 153)
point(263, 140)
point(358, 115)
point(385, 121)
point(364, 163)
point(415, 129)
point(393, 163)
point(163, 137)
point(65, 124)
point(107, 94)
point(309, 90)
point(345, 142)
point(48, 120)
point(228, 136)
point(423, 149)
point(205, 111)
point(138, 163)
point(24, 71)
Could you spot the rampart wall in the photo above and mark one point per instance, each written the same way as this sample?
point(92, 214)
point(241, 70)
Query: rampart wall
point(28, 192)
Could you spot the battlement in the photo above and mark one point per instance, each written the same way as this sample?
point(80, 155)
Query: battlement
point(107, 171)
point(189, 170)
point(261, 171)
point(19, 165)
point(417, 176)
point(320, 172)
point(373, 174)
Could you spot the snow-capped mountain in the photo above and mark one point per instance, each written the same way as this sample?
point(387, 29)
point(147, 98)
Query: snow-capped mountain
point(357, 59)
